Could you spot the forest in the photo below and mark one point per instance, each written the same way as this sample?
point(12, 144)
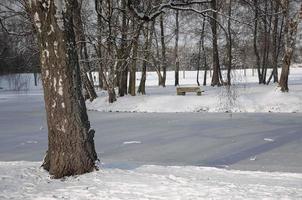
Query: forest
point(118, 38)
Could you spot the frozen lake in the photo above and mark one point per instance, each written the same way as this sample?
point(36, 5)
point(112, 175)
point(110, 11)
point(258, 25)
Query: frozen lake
point(266, 142)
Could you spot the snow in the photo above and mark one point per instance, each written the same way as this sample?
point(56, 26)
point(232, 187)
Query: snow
point(246, 95)
point(132, 142)
point(268, 139)
point(25, 180)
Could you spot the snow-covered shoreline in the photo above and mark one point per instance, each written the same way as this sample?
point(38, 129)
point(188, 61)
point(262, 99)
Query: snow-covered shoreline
point(26, 180)
point(245, 96)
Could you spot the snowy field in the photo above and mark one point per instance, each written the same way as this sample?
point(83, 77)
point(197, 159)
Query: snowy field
point(164, 155)
point(25, 180)
point(245, 96)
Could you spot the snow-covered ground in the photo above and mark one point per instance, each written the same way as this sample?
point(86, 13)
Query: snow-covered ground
point(25, 180)
point(245, 96)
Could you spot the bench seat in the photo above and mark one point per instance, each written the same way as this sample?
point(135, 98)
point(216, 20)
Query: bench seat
point(183, 90)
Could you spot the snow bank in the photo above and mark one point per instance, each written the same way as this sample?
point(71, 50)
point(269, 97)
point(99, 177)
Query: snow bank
point(245, 96)
point(25, 180)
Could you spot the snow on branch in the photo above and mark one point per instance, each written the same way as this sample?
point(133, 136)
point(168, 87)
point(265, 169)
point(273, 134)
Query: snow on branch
point(157, 10)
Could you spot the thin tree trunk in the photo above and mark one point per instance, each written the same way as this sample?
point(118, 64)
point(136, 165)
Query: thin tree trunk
point(147, 48)
point(176, 49)
point(163, 51)
point(110, 57)
point(275, 47)
point(82, 52)
point(204, 53)
point(290, 34)
point(36, 78)
point(98, 9)
point(132, 78)
point(229, 44)
point(256, 51)
point(156, 62)
point(124, 54)
point(216, 78)
point(199, 58)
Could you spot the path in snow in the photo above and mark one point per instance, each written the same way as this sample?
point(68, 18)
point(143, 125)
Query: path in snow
point(200, 139)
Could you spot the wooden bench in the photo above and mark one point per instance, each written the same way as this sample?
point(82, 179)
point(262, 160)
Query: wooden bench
point(184, 90)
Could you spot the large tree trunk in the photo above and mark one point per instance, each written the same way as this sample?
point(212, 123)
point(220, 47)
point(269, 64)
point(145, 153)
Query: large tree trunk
point(70, 140)
point(290, 33)
point(88, 84)
point(216, 78)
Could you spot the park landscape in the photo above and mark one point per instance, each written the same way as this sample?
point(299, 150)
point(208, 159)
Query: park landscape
point(123, 99)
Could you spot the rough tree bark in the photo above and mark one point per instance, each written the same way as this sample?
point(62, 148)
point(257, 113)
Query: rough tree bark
point(70, 140)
